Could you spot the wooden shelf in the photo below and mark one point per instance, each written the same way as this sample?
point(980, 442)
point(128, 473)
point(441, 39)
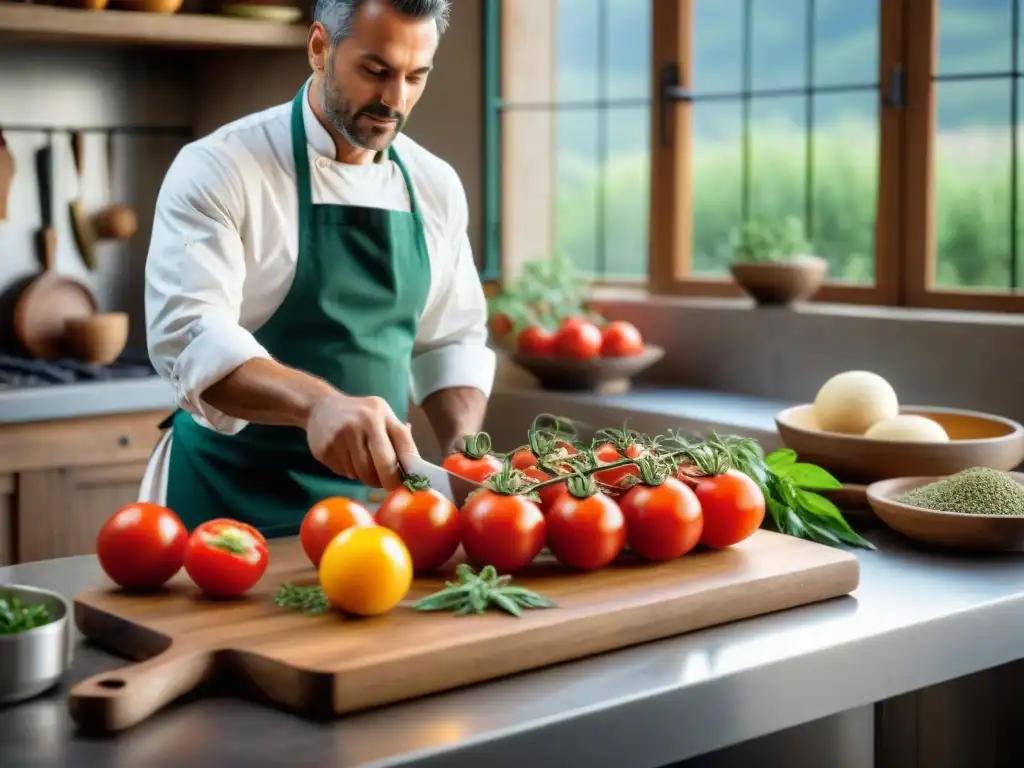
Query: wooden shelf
point(20, 22)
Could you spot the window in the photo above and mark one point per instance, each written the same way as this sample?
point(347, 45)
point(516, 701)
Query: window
point(637, 135)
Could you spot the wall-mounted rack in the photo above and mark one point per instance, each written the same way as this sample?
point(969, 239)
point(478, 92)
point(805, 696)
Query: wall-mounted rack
point(181, 131)
point(37, 23)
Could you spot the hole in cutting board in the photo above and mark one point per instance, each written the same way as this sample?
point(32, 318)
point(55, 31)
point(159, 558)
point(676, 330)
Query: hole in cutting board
point(112, 683)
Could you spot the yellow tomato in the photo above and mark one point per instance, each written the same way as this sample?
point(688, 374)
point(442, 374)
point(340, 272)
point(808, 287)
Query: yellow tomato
point(366, 570)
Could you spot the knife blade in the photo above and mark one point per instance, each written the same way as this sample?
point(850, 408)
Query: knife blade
point(453, 487)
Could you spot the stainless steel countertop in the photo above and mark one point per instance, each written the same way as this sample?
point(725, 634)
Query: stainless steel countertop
point(917, 619)
point(72, 401)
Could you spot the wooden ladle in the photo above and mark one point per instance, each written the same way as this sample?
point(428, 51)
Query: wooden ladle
point(116, 221)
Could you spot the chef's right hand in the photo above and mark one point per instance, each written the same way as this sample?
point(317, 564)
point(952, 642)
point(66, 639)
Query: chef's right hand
point(359, 438)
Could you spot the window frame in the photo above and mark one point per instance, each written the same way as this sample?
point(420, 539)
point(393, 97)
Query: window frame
point(905, 234)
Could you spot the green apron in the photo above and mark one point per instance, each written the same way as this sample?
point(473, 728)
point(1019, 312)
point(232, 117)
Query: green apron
point(349, 318)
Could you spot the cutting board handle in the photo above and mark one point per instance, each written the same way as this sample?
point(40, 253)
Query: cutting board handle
point(118, 699)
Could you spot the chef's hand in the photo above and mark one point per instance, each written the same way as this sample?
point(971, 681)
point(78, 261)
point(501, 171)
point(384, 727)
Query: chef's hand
point(359, 438)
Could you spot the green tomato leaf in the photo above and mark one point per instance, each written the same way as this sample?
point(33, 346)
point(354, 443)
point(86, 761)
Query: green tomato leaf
point(809, 476)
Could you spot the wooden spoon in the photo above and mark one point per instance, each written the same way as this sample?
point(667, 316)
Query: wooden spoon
point(6, 175)
point(115, 222)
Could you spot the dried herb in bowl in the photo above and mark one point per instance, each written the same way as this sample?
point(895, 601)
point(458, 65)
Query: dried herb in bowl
point(974, 491)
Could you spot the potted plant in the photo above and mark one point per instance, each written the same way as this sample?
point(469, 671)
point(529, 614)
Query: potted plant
point(774, 264)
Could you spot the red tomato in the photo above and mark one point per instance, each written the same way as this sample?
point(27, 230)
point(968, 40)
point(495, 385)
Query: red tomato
point(325, 520)
point(500, 324)
point(141, 546)
point(225, 558)
point(504, 531)
point(733, 508)
point(580, 341)
point(607, 453)
point(664, 521)
point(523, 458)
point(535, 341)
point(426, 521)
point(228, 521)
point(549, 494)
point(585, 533)
point(621, 339)
point(472, 468)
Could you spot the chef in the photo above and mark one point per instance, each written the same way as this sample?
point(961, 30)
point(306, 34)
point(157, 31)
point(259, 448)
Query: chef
point(310, 273)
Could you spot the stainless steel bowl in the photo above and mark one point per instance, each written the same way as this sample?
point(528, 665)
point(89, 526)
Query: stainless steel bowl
point(33, 661)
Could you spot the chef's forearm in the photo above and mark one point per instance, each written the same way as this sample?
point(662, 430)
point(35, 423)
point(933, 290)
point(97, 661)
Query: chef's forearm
point(454, 412)
point(264, 391)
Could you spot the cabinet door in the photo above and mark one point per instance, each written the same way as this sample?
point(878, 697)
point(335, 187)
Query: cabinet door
point(60, 511)
point(7, 529)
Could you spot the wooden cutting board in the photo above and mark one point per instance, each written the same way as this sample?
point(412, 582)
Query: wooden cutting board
point(327, 665)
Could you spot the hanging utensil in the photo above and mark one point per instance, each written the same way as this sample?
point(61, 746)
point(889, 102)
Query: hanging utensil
point(6, 175)
point(115, 222)
point(81, 223)
point(45, 304)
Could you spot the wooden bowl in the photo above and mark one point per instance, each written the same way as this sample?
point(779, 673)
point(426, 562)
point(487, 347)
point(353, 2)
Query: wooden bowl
point(97, 339)
point(976, 440)
point(948, 529)
point(781, 282)
point(607, 374)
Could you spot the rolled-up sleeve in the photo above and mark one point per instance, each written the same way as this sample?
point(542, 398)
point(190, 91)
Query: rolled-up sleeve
point(451, 344)
point(195, 271)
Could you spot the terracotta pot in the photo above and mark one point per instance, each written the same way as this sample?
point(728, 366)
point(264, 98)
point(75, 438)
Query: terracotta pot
point(781, 282)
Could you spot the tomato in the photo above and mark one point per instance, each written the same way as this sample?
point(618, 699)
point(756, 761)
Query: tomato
point(328, 518)
point(535, 341)
point(585, 533)
point(733, 508)
point(621, 339)
point(141, 546)
point(426, 522)
point(523, 458)
point(549, 494)
point(607, 453)
point(472, 467)
point(504, 531)
point(580, 341)
point(225, 558)
point(366, 570)
point(664, 521)
point(500, 324)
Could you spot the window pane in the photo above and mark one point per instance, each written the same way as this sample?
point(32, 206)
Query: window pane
point(576, 180)
point(778, 44)
point(972, 180)
point(845, 184)
point(627, 192)
point(716, 182)
point(717, 46)
point(846, 41)
point(577, 43)
point(975, 36)
point(778, 158)
point(629, 49)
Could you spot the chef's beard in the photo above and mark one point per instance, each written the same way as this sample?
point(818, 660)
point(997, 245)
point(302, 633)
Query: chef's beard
point(365, 134)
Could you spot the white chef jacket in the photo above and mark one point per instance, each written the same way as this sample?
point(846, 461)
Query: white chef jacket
point(224, 250)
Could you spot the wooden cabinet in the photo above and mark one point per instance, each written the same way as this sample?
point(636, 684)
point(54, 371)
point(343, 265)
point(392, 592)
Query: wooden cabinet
point(60, 480)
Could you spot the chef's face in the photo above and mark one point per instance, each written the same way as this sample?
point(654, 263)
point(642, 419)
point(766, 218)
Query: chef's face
point(373, 78)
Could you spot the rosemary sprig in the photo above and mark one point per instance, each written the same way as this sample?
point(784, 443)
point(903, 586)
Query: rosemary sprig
point(474, 593)
point(309, 600)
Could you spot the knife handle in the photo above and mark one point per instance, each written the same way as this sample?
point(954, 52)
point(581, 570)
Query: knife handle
point(78, 150)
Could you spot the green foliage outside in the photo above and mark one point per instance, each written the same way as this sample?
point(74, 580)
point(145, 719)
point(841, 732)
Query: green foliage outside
point(972, 202)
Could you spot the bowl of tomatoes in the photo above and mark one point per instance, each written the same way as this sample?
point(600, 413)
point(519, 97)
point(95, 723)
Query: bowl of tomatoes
point(582, 354)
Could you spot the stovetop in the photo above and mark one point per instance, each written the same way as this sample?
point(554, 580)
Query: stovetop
point(23, 372)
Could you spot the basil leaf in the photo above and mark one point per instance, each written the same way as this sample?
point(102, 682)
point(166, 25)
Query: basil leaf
point(778, 460)
point(809, 476)
point(828, 515)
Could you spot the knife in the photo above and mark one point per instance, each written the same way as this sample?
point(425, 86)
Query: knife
point(453, 487)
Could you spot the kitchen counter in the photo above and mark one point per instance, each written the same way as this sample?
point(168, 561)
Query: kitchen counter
point(72, 401)
point(917, 619)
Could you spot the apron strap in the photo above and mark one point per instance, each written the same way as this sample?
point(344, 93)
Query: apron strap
point(302, 177)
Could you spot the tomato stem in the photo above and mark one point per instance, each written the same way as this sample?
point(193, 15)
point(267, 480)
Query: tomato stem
point(232, 540)
point(416, 483)
point(581, 486)
point(477, 446)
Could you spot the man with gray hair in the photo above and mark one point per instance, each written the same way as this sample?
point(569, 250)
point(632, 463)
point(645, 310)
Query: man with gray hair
point(309, 273)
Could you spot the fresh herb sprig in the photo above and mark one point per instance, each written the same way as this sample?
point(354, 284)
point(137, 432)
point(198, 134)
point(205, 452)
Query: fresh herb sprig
point(311, 600)
point(15, 617)
point(474, 593)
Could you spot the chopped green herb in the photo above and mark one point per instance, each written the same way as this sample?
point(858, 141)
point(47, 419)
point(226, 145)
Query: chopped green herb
point(475, 593)
point(309, 600)
point(15, 617)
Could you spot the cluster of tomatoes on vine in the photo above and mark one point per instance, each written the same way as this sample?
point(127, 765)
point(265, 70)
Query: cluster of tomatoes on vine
point(589, 503)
